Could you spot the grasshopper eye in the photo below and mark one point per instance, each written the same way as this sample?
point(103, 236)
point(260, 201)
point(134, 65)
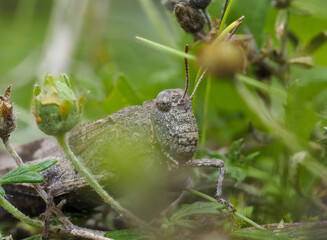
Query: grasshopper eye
point(163, 101)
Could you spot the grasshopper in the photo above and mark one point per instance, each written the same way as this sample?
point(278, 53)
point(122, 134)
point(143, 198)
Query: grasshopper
point(128, 151)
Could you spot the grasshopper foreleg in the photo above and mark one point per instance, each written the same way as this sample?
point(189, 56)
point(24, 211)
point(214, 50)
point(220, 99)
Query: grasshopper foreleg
point(217, 163)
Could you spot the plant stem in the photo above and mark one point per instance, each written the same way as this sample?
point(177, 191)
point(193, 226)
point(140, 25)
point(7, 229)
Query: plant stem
point(205, 116)
point(94, 184)
point(284, 67)
point(225, 16)
point(154, 17)
point(19, 215)
point(166, 48)
point(261, 86)
point(199, 73)
point(37, 187)
point(249, 221)
point(12, 152)
point(211, 199)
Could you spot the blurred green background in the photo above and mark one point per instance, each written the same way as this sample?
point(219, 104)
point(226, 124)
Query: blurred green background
point(94, 43)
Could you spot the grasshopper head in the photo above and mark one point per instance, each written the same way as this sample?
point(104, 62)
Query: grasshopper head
point(174, 125)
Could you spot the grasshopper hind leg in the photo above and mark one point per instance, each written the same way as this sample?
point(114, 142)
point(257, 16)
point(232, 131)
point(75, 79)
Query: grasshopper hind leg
point(217, 163)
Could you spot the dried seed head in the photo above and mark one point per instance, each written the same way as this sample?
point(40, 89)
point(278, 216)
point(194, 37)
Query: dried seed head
point(190, 19)
point(55, 106)
point(199, 4)
point(7, 116)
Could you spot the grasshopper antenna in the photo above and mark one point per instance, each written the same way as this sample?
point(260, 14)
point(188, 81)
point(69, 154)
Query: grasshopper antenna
point(187, 77)
point(198, 83)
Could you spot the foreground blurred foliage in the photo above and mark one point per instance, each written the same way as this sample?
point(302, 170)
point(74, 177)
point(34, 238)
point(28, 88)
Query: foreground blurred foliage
point(276, 168)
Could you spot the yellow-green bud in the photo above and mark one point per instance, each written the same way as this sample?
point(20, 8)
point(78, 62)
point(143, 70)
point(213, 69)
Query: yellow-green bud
point(223, 59)
point(55, 106)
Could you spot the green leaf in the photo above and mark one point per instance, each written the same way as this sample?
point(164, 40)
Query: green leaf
point(29, 177)
point(121, 94)
point(217, 155)
point(28, 173)
point(300, 109)
point(128, 234)
point(259, 235)
point(186, 223)
point(249, 158)
point(37, 167)
point(316, 42)
point(253, 10)
point(197, 208)
point(235, 150)
point(315, 7)
point(35, 237)
point(299, 9)
point(2, 191)
point(238, 173)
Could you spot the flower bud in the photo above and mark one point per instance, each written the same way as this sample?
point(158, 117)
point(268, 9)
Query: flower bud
point(55, 106)
point(223, 59)
point(7, 116)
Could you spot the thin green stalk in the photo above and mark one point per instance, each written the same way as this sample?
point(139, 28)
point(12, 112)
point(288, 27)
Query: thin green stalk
point(12, 152)
point(155, 18)
point(164, 48)
point(211, 199)
point(93, 182)
point(225, 16)
point(284, 67)
point(262, 86)
point(199, 73)
point(18, 214)
point(205, 116)
point(254, 224)
point(203, 195)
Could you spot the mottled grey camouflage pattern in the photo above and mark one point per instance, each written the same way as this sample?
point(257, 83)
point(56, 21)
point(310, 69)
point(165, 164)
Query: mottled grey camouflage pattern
point(134, 143)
